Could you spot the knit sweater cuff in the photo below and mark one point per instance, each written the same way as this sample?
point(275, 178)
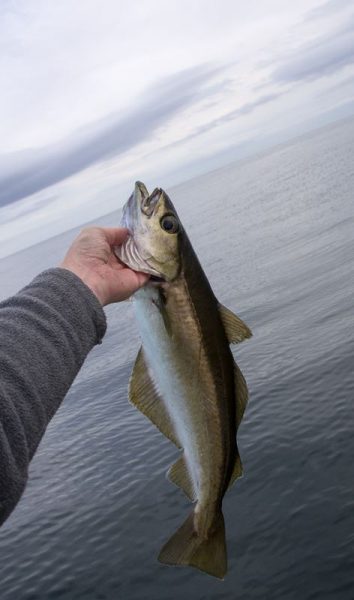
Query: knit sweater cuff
point(66, 289)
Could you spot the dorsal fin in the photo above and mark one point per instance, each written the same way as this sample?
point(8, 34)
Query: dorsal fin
point(236, 330)
point(144, 396)
point(241, 393)
point(241, 398)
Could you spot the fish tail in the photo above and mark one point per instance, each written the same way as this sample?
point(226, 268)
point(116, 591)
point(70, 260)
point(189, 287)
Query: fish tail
point(185, 547)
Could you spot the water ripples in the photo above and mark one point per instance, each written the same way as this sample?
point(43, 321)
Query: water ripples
point(98, 507)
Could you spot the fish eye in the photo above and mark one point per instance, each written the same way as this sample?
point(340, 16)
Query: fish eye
point(170, 224)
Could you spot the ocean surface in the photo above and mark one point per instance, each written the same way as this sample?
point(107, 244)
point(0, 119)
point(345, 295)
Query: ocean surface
point(275, 235)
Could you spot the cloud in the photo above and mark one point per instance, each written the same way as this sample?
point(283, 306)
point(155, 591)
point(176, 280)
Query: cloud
point(244, 109)
point(329, 8)
point(250, 106)
point(321, 58)
point(89, 104)
point(24, 173)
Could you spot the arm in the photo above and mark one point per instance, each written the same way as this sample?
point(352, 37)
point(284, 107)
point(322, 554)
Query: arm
point(46, 332)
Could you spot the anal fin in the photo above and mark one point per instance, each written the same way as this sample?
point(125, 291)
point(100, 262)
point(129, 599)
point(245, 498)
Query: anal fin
point(144, 396)
point(179, 475)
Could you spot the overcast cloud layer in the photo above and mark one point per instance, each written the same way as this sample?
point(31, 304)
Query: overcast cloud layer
point(95, 95)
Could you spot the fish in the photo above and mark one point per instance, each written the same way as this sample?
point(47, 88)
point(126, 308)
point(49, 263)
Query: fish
point(185, 379)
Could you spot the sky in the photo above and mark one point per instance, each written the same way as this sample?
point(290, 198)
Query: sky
point(97, 94)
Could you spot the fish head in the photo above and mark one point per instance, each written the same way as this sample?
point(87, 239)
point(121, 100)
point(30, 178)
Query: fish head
point(153, 245)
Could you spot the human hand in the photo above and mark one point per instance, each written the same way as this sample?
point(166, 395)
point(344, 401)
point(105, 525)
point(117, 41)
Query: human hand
point(91, 257)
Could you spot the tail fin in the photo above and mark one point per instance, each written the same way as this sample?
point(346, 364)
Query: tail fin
point(185, 547)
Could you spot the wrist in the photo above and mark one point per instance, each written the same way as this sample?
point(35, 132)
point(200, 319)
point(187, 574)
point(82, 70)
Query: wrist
point(96, 289)
point(86, 277)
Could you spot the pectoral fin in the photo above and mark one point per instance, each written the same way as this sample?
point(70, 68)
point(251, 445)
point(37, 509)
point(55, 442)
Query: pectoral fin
point(241, 395)
point(236, 330)
point(144, 396)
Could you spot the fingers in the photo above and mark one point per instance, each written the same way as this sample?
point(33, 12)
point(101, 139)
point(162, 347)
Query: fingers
point(126, 283)
point(115, 236)
point(142, 278)
point(133, 280)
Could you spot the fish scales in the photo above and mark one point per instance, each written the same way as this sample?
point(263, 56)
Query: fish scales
point(185, 379)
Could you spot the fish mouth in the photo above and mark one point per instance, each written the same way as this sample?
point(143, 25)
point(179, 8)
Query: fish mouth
point(129, 252)
point(149, 204)
point(137, 199)
point(140, 200)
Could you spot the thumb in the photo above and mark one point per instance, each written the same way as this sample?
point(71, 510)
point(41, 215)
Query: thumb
point(115, 236)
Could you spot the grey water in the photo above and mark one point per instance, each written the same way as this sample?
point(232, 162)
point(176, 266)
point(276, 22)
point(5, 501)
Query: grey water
point(275, 235)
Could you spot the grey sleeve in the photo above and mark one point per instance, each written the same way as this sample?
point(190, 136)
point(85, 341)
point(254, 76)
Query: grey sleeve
point(46, 332)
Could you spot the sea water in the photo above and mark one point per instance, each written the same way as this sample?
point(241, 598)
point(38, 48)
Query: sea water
point(275, 235)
